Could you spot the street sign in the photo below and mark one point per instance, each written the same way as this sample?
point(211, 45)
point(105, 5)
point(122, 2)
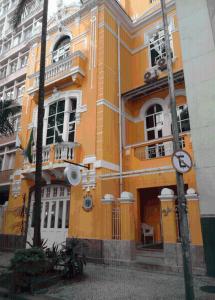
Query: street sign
point(182, 161)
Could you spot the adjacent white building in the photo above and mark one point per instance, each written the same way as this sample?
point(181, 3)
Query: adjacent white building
point(197, 29)
point(14, 49)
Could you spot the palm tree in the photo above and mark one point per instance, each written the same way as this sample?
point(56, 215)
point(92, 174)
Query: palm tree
point(8, 109)
point(38, 175)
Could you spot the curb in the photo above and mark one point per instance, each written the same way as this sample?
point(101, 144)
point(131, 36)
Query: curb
point(5, 294)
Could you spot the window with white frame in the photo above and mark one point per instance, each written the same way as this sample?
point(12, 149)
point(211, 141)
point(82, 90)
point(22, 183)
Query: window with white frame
point(183, 118)
point(157, 46)
point(1, 162)
point(3, 72)
point(154, 130)
point(20, 92)
point(23, 60)
point(9, 94)
point(61, 49)
point(13, 66)
point(61, 122)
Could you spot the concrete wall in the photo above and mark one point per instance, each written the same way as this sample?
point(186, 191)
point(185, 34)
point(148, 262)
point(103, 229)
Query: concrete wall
point(196, 20)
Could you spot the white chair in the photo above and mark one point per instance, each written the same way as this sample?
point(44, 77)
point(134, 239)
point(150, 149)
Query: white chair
point(147, 230)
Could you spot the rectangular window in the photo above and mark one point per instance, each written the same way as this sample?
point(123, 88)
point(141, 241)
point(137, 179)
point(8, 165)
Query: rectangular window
point(157, 46)
point(13, 66)
point(73, 104)
point(46, 214)
point(60, 215)
point(67, 213)
point(55, 122)
point(183, 118)
point(3, 72)
point(23, 61)
point(53, 212)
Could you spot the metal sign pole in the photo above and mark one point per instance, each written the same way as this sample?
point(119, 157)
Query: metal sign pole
point(184, 227)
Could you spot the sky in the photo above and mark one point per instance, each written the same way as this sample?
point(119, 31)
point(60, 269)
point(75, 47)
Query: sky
point(53, 5)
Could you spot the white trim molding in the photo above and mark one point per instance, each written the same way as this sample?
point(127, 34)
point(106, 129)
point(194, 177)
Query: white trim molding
point(106, 165)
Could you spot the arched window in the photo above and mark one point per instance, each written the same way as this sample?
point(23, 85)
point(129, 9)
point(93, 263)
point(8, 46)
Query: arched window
point(154, 122)
point(61, 49)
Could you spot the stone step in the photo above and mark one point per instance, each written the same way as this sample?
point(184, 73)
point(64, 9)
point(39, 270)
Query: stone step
point(156, 260)
point(150, 253)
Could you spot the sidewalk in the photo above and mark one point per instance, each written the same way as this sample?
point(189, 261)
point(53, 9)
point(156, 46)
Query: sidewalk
point(111, 283)
point(119, 283)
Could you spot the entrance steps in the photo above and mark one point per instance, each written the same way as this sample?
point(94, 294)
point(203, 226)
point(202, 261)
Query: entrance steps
point(152, 260)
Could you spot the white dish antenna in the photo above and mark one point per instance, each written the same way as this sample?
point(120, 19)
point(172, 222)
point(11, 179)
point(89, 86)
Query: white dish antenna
point(72, 175)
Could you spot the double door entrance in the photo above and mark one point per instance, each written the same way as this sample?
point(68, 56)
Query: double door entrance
point(54, 214)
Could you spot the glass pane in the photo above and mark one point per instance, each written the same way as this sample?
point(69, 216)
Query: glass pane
point(184, 113)
point(185, 125)
point(159, 119)
point(160, 134)
point(60, 118)
point(53, 212)
point(151, 110)
point(60, 128)
point(67, 213)
point(45, 223)
point(32, 216)
point(74, 104)
point(49, 141)
point(60, 215)
point(152, 151)
point(52, 109)
point(150, 122)
point(72, 117)
point(61, 105)
point(151, 135)
point(51, 121)
point(50, 132)
point(71, 136)
point(158, 108)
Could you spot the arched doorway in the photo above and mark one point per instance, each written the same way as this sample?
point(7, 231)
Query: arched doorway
point(54, 214)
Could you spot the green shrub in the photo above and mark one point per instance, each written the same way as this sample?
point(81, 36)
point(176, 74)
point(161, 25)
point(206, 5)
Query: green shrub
point(30, 261)
point(25, 266)
point(73, 259)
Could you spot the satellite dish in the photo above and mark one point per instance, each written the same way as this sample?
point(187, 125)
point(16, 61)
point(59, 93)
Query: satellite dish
point(72, 175)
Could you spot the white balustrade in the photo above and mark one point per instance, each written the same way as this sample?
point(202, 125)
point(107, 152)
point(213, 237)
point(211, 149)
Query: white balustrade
point(64, 151)
point(45, 155)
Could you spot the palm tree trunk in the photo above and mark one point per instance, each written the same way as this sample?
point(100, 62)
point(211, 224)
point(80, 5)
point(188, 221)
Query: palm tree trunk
point(39, 144)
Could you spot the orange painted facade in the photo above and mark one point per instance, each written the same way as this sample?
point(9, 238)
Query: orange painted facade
point(93, 78)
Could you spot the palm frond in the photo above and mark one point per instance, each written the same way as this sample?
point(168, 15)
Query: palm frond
point(16, 19)
point(7, 111)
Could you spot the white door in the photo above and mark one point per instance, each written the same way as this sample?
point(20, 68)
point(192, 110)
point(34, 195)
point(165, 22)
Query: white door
point(54, 214)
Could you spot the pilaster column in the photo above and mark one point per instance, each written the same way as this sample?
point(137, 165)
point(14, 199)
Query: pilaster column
point(127, 216)
point(194, 217)
point(168, 216)
point(107, 202)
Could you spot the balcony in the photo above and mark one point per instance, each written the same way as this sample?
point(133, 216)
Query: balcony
point(53, 157)
point(70, 68)
point(153, 154)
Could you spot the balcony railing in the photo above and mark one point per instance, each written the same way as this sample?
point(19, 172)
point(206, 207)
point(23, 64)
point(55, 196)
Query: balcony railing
point(156, 153)
point(156, 150)
point(54, 153)
point(71, 65)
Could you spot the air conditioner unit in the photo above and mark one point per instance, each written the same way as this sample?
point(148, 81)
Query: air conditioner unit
point(162, 63)
point(151, 76)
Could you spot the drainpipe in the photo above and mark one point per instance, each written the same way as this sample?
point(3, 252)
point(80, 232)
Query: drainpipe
point(120, 114)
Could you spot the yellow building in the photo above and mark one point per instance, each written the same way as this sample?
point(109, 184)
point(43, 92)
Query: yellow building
point(107, 107)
